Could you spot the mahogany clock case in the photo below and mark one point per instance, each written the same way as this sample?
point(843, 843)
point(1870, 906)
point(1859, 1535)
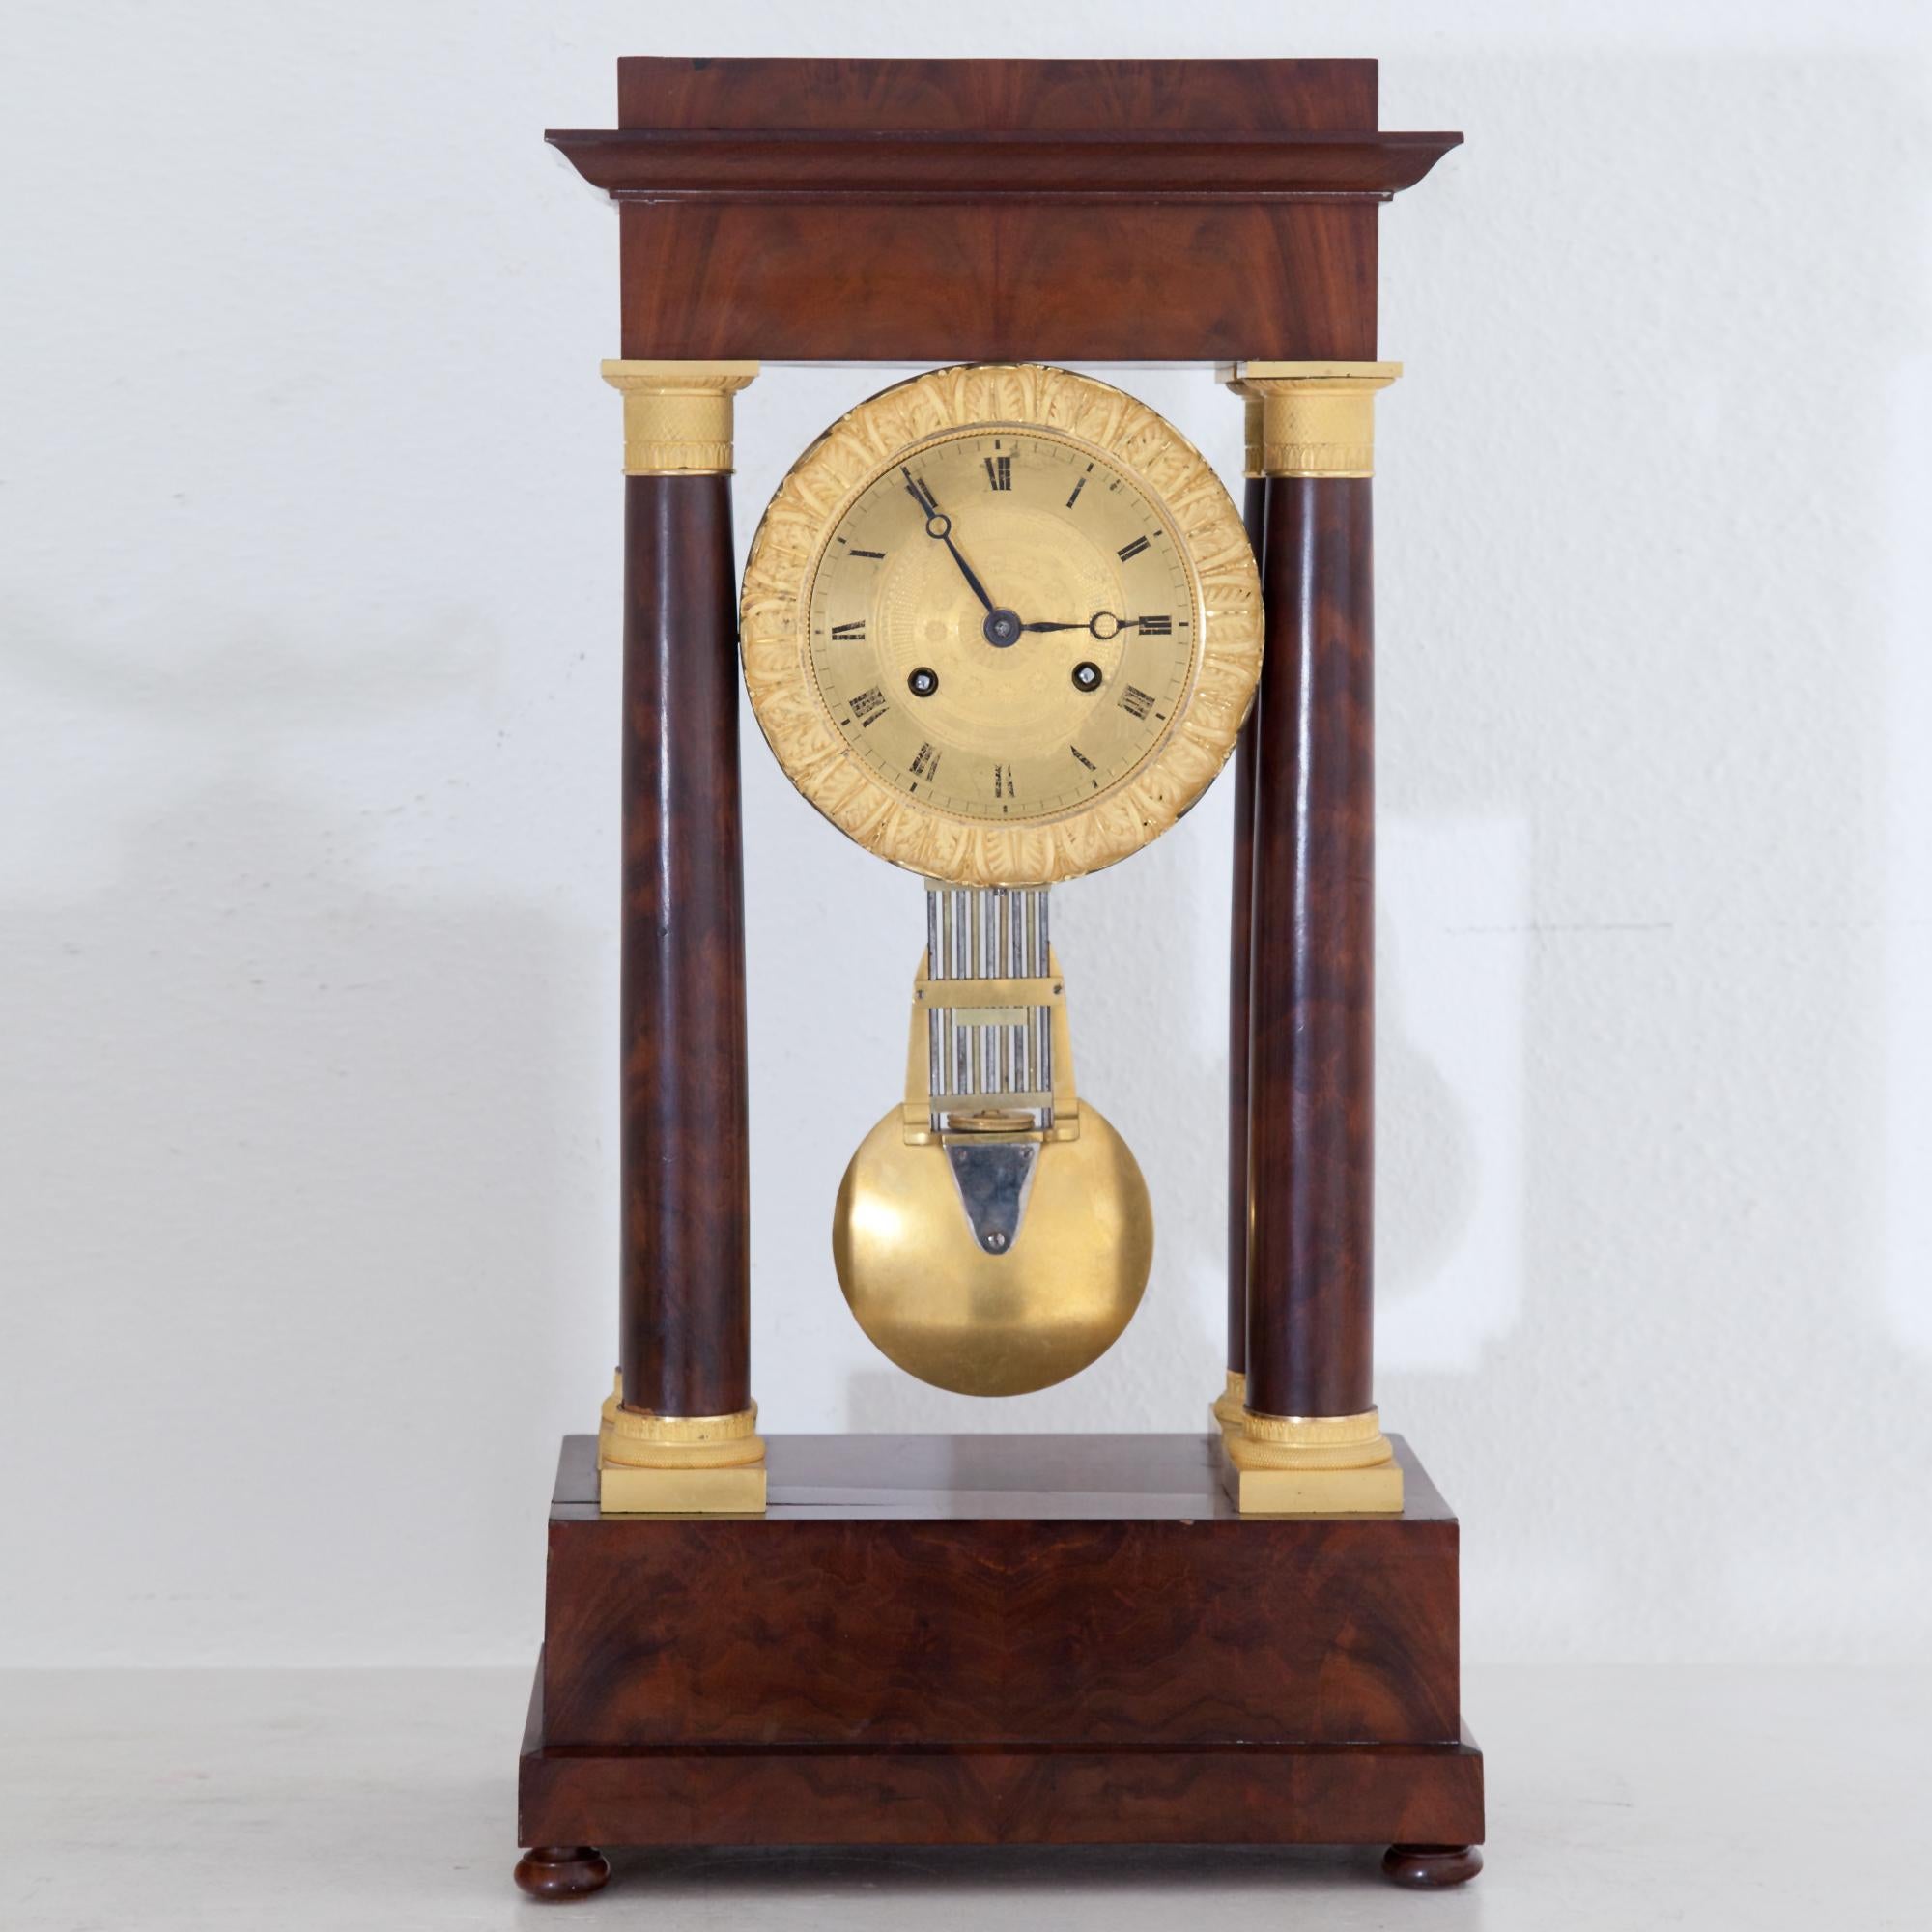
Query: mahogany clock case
point(999, 1640)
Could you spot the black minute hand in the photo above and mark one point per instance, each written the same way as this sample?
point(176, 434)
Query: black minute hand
point(939, 525)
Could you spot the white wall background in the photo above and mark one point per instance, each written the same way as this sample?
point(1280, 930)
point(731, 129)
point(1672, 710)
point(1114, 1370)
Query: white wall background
point(308, 668)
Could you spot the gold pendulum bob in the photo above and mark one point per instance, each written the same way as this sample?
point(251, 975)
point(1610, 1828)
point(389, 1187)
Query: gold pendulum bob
point(998, 1241)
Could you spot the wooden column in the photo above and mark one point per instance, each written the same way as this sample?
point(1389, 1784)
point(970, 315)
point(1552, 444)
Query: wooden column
point(1228, 1406)
point(1310, 1438)
point(679, 1433)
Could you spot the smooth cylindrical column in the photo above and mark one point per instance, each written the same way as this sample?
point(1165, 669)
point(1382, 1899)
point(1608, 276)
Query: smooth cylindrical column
point(1311, 1068)
point(679, 1434)
point(1309, 1437)
point(685, 1279)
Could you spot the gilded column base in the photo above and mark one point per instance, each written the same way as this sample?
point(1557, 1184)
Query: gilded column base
point(679, 1464)
point(1311, 1465)
point(1225, 1411)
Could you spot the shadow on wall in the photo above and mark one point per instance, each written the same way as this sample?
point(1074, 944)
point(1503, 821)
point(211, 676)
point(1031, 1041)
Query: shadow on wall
point(1639, 605)
point(288, 1191)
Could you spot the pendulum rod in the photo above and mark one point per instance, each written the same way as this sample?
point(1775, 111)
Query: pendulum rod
point(1002, 1066)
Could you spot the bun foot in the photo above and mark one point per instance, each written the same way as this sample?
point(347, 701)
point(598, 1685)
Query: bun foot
point(562, 1871)
point(1429, 1867)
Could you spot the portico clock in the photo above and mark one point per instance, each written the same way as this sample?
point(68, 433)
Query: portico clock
point(1002, 625)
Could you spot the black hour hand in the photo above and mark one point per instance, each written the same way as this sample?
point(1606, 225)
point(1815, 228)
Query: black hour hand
point(939, 527)
point(1102, 624)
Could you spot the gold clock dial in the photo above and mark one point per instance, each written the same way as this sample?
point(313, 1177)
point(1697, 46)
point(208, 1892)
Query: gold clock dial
point(1001, 624)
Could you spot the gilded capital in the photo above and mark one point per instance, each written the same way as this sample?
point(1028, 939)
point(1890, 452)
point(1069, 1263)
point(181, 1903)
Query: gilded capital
point(677, 416)
point(1317, 418)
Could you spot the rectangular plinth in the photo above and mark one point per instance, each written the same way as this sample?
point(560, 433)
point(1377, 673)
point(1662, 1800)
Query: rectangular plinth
point(998, 1641)
point(682, 1492)
point(1361, 1794)
point(1066, 1590)
point(1375, 1491)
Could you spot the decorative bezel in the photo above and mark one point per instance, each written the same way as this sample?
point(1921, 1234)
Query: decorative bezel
point(798, 525)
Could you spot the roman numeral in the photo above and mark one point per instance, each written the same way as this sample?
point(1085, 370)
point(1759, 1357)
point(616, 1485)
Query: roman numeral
point(855, 630)
point(1133, 549)
point(1078, 488)
point(1156, 627)
point(1000, 472)
point(867, 552)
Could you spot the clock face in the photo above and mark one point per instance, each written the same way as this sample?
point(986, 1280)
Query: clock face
point(1001, 624)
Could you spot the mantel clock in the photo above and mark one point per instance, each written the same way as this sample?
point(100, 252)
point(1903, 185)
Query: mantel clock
point(1002, 625)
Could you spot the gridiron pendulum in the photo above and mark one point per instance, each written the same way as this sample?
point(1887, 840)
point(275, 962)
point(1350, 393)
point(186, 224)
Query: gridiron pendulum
point(993, 1235)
